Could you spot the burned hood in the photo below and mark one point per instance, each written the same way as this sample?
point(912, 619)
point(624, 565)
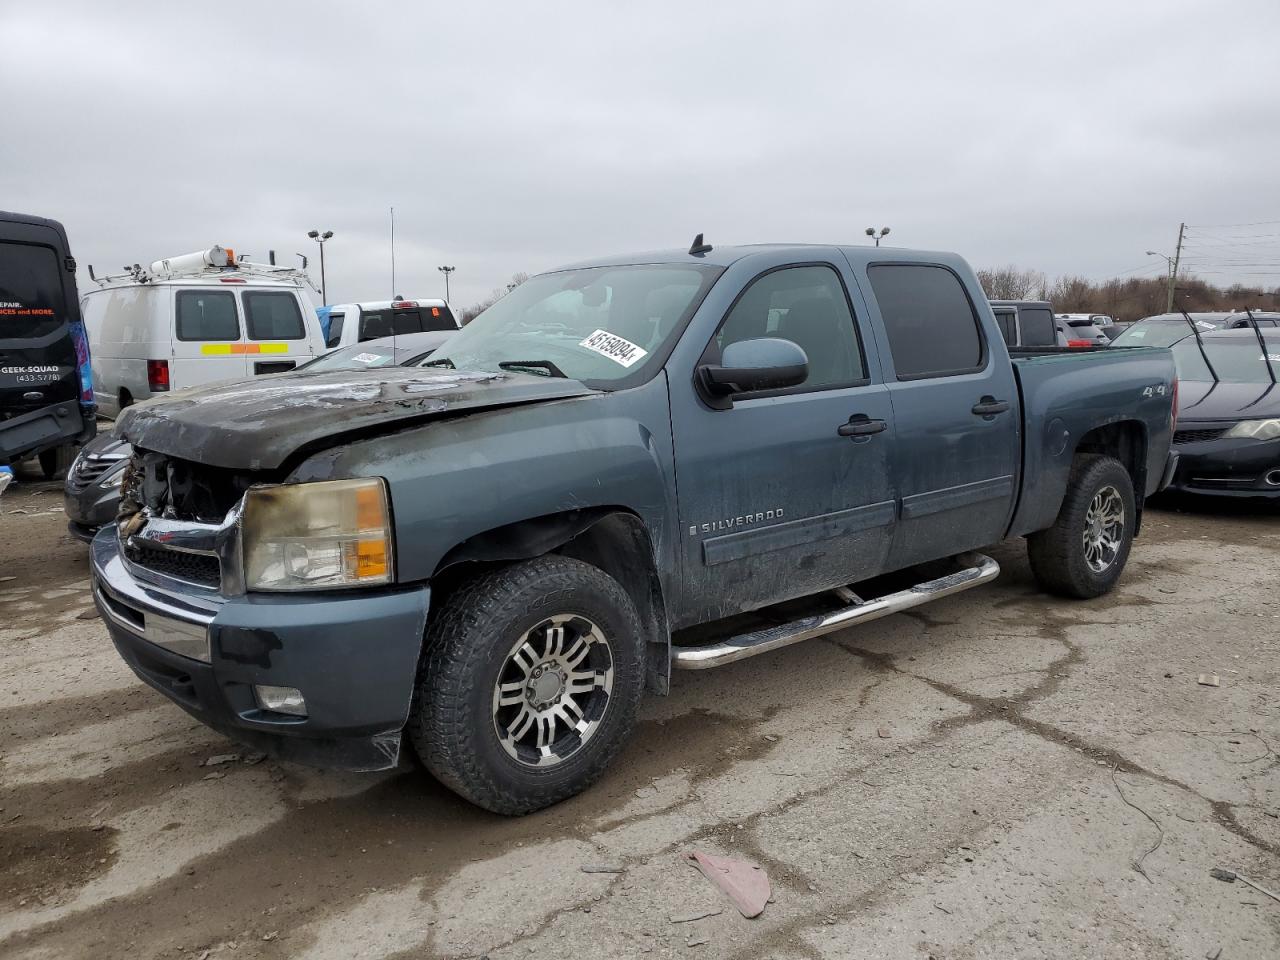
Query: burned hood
point(1205, 400)
point(257, 424)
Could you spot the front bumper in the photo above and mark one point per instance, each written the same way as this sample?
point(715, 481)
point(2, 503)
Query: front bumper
point(353, 654)
point(1224, 467)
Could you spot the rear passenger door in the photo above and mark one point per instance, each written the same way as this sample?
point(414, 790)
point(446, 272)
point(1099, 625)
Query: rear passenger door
point(956, 447)
point(275, 336)
point(208, 342)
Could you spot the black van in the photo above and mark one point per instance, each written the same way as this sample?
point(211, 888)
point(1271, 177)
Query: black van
point(46, 387)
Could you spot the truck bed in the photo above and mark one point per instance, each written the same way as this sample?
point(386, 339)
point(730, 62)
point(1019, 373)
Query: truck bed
point(1067, 391)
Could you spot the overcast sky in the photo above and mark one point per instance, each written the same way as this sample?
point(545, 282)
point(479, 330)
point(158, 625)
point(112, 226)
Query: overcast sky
point(515, 137)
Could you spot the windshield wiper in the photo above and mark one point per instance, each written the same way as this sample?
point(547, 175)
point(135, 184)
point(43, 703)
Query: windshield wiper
point(442, 362)
point(1266, 359)
point(551, 370)
point(1200, 343)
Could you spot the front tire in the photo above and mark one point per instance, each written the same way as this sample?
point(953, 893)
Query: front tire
point(530, 682)
point(1083, 554)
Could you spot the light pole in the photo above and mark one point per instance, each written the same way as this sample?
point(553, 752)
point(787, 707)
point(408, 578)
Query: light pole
point(446, 271)
point(320, 238)
point(1169, 275)
point(871, 232)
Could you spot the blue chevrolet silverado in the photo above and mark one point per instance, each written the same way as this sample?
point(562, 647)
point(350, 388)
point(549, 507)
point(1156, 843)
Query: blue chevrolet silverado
point(668, 460)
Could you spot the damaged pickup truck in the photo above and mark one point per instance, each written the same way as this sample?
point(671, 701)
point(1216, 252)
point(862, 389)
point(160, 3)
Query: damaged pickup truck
point(675, 459)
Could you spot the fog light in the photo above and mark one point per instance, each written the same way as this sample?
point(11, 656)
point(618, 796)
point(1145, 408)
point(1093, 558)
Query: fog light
point(281, 699)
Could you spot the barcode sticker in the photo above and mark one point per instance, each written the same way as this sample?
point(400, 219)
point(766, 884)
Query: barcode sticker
point(614, 347)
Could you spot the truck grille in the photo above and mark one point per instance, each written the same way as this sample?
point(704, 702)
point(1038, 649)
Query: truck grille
point(192, 567)
point(1195, 436)
point(182, 490)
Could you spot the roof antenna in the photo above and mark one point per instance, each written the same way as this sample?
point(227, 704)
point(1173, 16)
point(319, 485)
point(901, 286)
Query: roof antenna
point(699, 247)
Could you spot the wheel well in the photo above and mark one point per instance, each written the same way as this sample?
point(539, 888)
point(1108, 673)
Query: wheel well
point(1126, 441)
point(125, 398)
point(613, 539)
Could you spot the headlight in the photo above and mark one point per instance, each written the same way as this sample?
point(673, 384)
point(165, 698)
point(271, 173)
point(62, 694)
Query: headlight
point(115, 476)
point(317, 536)
point(1255, 429)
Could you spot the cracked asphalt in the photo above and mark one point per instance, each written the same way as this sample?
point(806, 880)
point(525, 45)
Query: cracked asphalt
point(999, 774)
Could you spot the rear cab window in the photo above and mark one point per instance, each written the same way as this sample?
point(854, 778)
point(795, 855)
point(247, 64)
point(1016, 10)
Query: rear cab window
point(932, 327)
point(1038, 329)
point(208, 315)
point(272, 315)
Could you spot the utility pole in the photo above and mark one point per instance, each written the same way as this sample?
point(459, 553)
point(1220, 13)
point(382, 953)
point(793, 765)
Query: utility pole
point(1173, 273)
point(446, 271)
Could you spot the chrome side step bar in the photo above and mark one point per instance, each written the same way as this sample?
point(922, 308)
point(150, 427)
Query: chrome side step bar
point(978, 569)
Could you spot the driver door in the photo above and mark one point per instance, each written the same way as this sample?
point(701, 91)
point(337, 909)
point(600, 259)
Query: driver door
point(774, 501)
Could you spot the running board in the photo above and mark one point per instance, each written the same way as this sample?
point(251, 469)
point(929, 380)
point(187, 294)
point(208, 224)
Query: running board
point(978, 569)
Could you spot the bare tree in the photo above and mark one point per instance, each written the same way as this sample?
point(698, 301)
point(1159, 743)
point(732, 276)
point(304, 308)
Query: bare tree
point(496, 294)
point(1011, 283)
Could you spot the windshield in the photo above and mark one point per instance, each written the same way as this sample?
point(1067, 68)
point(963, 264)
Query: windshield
point(600, 325)
point(1238, 360)
point(1158, 333)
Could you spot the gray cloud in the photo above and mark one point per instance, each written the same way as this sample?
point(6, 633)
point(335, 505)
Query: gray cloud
point(518, 137)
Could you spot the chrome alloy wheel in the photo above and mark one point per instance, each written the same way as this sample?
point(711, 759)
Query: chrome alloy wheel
point(1103, 529)
point(553, 690)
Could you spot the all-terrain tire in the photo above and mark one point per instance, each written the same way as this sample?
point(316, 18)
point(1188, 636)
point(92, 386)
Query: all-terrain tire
point(1058, 555)
point(468, 646)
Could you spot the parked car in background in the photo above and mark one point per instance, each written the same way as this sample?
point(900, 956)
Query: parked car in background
point(1026, 323)
point(200, 318)
point(489, 558)
point(406, 350)
point(356, 322)
point(46, 398)
point(1085, 329)
point(1227, 437)
point(1166, 329)
point(91, 493)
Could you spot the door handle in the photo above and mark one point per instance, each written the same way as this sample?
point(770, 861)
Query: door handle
point(990, 406)
point(860, 425)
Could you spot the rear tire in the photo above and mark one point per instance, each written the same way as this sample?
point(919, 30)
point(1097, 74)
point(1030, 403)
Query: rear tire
point(530, 682)
point(56, 460)
point(1083, 554)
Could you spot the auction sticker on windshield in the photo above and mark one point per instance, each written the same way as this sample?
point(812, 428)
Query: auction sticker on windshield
point(614, 347)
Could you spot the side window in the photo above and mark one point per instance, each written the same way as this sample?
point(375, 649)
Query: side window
point(438, 318)
point(807, 306)
point(335, 329)
point(375, 324)
point(1007, 331)
point(273, 315)
point(933, 330)
point(1037, 328)
point(207, 315)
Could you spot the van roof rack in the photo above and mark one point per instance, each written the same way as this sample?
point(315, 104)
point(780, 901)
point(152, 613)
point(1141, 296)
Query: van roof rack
point(216, 262)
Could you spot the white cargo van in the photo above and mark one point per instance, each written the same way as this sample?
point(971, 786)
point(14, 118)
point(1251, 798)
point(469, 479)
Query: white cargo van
point(195, 319)
point(356, 322)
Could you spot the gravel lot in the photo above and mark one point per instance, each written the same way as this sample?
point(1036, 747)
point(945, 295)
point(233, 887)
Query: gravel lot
point(1001, 774)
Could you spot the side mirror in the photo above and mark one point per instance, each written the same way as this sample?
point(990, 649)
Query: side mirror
point(767, 363)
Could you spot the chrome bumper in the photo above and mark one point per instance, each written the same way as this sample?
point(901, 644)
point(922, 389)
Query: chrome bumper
point(178, 624)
